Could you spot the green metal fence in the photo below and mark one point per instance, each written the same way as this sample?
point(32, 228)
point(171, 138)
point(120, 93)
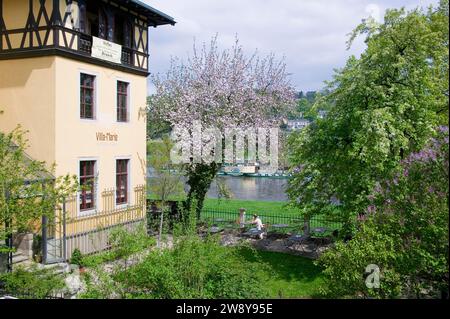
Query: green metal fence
point(275, 222)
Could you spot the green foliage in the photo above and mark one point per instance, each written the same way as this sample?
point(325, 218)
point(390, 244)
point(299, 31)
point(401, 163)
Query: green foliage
point(77, 258)
point(27, 188)
point(98, 259)
point(165, 183)
point(309, 105)
point(194, 268)
point(405, 234)
point(124, 244)
point(223, 191)
point(32, 284)
point(198, 267)
point(385, 106)
point(200, 177)
point(127, 242)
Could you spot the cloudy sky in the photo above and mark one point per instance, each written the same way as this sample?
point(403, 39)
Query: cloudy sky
point(310, 34)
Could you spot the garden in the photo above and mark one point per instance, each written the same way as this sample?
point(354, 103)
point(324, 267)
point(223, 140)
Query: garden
point(368, 208)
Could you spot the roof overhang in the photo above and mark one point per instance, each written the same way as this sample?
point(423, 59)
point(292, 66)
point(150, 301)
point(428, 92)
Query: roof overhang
point(154, 16)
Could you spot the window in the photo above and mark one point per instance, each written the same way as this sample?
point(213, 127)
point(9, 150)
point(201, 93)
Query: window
point(122, 181)
point(119, 22)
point(87, 183)
point(96, 23)
point(87, 84)
point(122, 101)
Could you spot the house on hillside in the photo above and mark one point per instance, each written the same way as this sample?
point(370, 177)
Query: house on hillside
point(298, 124)
point(74, 74)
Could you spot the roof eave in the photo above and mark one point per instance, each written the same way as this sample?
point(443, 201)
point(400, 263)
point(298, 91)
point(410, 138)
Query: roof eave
point(155, 17)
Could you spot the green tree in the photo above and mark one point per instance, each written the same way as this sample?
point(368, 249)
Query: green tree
point(404, 232)
point(385, 105)
point(166, 181)
point(28, 189)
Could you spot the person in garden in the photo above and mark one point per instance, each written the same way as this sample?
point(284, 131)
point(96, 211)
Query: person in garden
point(259, 225)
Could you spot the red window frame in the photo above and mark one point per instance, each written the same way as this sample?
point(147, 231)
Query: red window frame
point(122, 181)
point(122, 101)
point(87, 179)
point(87, 85)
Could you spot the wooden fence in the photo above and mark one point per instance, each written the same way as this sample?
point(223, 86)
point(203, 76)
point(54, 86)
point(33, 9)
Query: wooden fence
point(109, 216)
point(90, 233)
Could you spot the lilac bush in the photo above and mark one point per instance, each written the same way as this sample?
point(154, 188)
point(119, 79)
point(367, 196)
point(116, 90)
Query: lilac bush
point(404, 231)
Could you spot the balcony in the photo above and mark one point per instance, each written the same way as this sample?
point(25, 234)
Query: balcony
point(58, 40)
point(85, 47)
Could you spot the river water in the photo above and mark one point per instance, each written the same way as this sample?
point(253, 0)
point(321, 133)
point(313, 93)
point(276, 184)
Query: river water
point(250, 188)
point(253, 188)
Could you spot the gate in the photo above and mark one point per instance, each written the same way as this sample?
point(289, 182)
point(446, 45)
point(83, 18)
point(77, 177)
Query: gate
point(53, 237)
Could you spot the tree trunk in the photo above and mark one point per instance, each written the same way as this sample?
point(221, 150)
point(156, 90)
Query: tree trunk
point(200, 177)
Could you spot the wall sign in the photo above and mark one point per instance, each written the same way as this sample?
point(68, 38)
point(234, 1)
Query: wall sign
point(107, 137)
point(106, 50)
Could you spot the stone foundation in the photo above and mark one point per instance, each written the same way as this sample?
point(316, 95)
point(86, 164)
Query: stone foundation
point(24, 244)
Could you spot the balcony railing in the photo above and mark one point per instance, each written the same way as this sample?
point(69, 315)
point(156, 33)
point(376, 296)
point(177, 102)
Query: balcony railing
point(85, 46)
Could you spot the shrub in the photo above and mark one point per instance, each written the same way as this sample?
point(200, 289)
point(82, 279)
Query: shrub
point(404, 232)
point(77, 258)
point(125, 242)
point(194, 268)
point(32, 284)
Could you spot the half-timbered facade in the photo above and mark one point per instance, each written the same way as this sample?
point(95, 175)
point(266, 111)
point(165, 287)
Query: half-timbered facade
point(32, 28)
point(74, 74)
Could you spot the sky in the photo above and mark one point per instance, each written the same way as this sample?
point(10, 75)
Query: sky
point(310, 35)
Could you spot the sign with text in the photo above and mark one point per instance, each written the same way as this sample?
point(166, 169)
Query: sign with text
point(107, 137)
point(106, 50)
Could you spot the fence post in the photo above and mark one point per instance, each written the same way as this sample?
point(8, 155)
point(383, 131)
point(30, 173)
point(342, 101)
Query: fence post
point(160, 229)
point(242, 218)
point(44, 239)
point(307, 225)
point(64, 230)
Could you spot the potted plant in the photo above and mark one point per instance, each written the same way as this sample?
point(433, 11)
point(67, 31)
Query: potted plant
point(77, 259)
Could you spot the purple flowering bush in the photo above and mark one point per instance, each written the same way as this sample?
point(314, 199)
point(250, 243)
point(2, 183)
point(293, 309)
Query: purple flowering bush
point(404, 232)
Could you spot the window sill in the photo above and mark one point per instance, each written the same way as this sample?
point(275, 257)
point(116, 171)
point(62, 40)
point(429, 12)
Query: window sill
point(87, 213)
point(122, 206)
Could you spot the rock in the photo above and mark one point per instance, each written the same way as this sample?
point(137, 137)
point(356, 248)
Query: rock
point(74, 285)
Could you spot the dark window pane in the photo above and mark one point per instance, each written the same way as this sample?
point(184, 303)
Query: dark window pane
point(87, 96)
point(87, 194)
point(122, 101)
point(121, 181)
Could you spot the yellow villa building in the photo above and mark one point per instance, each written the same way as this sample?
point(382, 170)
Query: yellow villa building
point(74, 74)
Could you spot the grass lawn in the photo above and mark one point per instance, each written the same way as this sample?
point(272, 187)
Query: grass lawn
point(285, 276)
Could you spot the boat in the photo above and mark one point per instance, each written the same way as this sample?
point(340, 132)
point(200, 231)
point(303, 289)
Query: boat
point(236, 172)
